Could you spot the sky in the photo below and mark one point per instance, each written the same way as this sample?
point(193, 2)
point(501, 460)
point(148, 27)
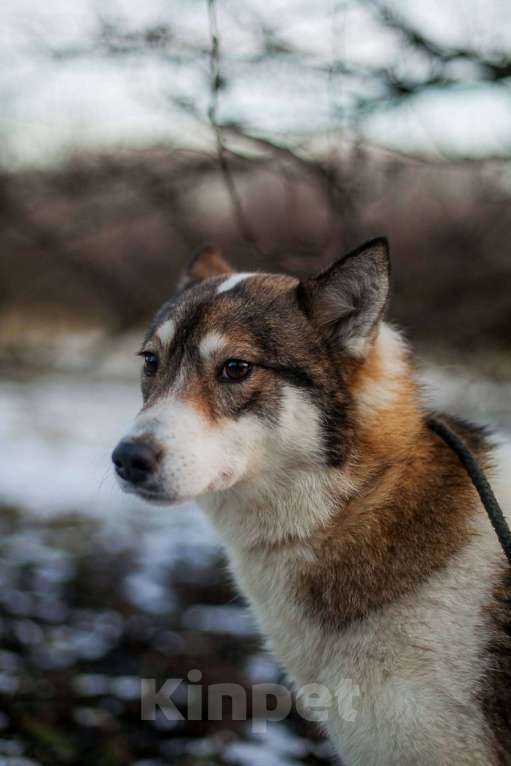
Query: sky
point(51, 107)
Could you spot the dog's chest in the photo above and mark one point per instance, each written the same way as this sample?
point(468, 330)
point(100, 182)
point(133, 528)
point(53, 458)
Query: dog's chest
point(401, 682)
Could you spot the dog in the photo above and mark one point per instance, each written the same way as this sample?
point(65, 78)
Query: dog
point(290, 411)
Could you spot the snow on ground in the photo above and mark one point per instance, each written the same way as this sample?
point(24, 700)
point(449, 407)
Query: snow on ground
point(56, 436)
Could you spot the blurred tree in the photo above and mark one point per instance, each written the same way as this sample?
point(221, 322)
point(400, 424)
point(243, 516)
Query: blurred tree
point(279, 97)
point(229, 47)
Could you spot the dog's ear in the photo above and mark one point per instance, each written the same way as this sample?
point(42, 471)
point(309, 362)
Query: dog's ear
point(206, 262)
point(347, 300)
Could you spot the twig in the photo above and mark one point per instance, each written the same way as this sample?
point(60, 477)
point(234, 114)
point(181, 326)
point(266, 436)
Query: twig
point(245, 229)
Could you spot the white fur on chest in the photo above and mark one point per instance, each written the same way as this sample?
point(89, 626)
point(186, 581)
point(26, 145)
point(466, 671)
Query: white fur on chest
point(416, 664)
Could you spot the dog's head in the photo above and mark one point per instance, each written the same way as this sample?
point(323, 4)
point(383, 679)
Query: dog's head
point(245, 373)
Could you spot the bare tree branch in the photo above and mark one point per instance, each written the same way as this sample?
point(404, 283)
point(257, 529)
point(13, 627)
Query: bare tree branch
point(245, 229)
point(493, 69)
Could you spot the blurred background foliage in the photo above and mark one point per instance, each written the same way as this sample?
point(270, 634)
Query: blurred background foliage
point(286, 134)
point(130, 134)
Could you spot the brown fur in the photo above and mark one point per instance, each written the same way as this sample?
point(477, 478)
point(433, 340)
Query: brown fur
point(260, 322)
point(409, 517)
point(207, 262)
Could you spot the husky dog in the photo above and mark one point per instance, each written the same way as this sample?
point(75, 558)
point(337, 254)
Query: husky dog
point(289, 410)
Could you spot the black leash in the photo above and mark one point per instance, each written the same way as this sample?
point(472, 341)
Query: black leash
point(478, 479)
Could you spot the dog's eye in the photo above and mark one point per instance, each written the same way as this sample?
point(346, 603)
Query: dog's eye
point(235, 370)
point(151, 363)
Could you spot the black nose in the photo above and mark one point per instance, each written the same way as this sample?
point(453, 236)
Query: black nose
point(134, 461)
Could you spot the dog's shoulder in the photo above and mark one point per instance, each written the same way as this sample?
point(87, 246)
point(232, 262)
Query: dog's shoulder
point(496, 685)
point(494, 457)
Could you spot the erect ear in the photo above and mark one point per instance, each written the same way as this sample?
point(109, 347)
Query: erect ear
point(205, 263)
point(347, 300)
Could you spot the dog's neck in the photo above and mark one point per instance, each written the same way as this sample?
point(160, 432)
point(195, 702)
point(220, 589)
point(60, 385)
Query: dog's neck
point(284, 507)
